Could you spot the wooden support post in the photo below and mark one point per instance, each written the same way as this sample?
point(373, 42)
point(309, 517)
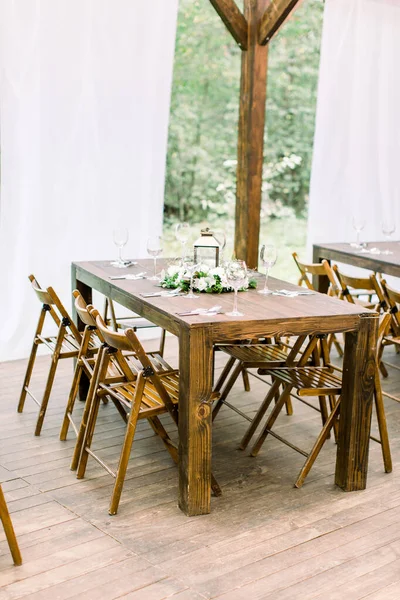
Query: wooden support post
point(253, 94)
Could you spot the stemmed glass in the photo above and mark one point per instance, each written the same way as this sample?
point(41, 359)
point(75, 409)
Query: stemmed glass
point(358, 226)
point(221, 239)
point(154, 249)
point(182, 231)
point(191, 266)
point(236, 276)
point(120, 237)
point(268, 256)
point(388, 228)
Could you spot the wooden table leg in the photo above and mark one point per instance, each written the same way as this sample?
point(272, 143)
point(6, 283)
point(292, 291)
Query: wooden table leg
point(320, 282)
point(195, 362)
point(356, 405)
point(86, 292)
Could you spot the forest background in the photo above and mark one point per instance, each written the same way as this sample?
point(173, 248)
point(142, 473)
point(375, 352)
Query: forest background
point(202, 144)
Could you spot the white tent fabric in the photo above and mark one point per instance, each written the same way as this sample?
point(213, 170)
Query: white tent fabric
point(357, 139)
point(84, 105)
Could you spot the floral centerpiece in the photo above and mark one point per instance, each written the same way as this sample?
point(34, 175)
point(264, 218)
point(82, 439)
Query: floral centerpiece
point(205, 279)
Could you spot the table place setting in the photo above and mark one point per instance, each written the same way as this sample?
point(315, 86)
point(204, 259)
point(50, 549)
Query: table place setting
point(292, 293)
point(214, 310)
point(130, 276)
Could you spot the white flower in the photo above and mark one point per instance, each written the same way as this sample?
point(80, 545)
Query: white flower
point(219, 271)
point(201, 284)
point(173, 270)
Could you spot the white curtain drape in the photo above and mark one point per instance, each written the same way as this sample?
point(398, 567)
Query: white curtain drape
point(355, 172)
point(84, 105)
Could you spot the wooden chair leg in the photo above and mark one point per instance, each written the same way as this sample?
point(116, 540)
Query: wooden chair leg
point(226, 390)
point(71, 401)
point(225, 372)
point(271, 420)
point(382, 425)
point(127, 446)
point(259, 415)
point(87, 442)
point(162, 342)
point(31, 362)
point(246, 381)
point(321, 439)
point(9, 530)
point(50, 379)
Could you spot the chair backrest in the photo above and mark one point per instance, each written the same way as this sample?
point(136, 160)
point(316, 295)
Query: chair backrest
point(392, 298)
point(55, 307)
point(127, 340)
point(322, 269)
point(368, 284)
point(82, 309)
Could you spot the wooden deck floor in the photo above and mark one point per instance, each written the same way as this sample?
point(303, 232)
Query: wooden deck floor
point(263, 539)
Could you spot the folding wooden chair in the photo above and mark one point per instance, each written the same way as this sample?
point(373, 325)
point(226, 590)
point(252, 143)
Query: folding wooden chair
point(65, 344)
point(392, 337)
point(91, 342)
point(132, 321)
point(314, 381)
point(316, 270)
point(144, 395)
point(9, 530)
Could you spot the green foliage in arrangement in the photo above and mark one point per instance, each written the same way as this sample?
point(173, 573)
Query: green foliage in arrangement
point(201, 161)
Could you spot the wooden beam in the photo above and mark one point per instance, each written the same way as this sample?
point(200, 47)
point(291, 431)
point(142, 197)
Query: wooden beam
point(274, 16)
point(253, 93)
point(233, 19)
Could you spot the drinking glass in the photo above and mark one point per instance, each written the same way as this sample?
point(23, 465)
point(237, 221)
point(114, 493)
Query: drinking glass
point(358, 226)
point(182, 231)
point(120, 237)
point(221, 239)
point(388, 228)
point(268, 256)
point(236, 276)
point(154, 249)
point(191, 266)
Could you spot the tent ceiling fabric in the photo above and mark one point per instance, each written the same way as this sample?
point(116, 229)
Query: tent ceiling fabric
point(84, 104)
point(357, 139)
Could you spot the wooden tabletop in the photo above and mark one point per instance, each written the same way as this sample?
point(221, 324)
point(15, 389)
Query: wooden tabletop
point(263, 315)
point(383, 263)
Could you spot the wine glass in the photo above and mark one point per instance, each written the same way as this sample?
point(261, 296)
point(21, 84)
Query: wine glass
point(221, 239)
point(236, 276)
point(388, 228)
point(120, 237)
point(182, 231)
point(268, 256)
point(191, 266)
point(358, 226)
point(154, 249)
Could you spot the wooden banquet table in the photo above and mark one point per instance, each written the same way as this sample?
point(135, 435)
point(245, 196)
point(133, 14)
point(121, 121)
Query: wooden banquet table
point(264, 316)
point(345, 253)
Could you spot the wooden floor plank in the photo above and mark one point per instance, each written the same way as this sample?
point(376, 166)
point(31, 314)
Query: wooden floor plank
point(263, 539)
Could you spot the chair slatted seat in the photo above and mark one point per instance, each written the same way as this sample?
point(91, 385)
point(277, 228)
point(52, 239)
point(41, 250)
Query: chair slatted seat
point(317, 381)
point(65, 344)
point(246, 356)
point(146, 394)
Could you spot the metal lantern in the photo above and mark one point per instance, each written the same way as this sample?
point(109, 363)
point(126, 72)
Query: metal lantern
point(207, 249)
